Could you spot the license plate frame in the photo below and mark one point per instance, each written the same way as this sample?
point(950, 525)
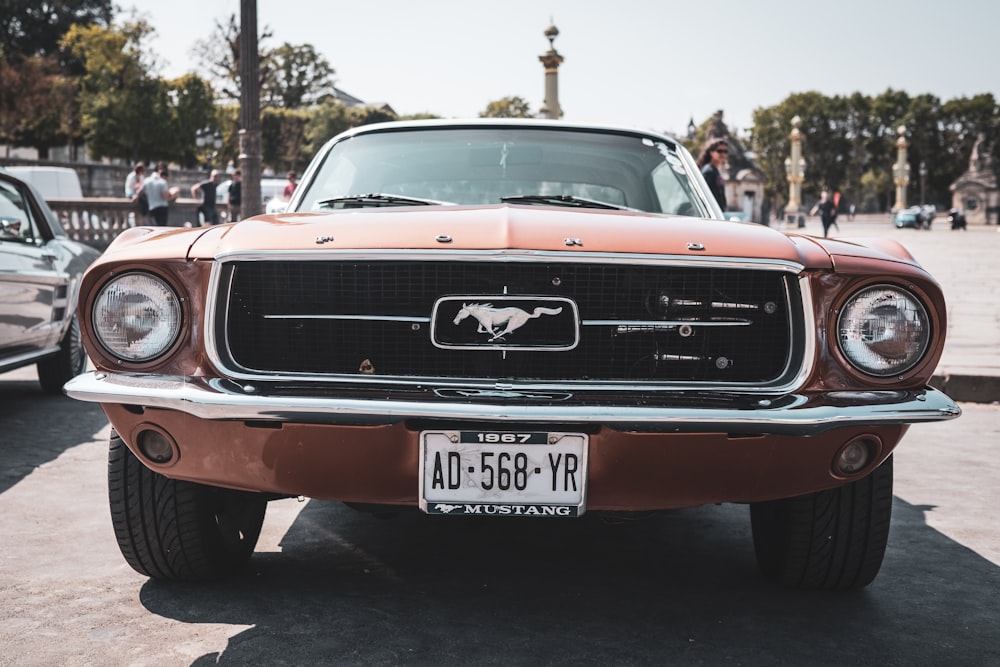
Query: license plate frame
point(503, 473)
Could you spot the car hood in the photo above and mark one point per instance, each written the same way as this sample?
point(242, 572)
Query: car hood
point(502, 227)
point(507, 227)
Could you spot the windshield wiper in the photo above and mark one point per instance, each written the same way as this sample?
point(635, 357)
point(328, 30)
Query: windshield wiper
point(375, 199)
point(560, 200)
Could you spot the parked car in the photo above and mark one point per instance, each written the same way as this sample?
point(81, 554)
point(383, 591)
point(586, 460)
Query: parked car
point(907, 217)
point(40, 271)
point(508, 318)
point(50, 182)
point(917, 217)
point(271, 190)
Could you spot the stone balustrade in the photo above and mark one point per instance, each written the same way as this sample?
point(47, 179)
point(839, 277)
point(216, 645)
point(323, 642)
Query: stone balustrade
point(96, 221)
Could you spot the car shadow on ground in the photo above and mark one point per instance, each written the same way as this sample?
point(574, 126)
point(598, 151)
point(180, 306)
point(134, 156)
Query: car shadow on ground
point(35, 427)
point(675, 587)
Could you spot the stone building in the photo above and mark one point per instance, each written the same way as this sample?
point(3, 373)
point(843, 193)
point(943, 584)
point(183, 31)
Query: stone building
point(976, 192)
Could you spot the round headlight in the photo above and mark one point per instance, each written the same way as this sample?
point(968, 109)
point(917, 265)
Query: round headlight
point(137, 317)
point(883, 330)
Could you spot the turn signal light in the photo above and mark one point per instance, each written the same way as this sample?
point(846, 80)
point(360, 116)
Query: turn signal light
point(156, 446)
point(855, 455)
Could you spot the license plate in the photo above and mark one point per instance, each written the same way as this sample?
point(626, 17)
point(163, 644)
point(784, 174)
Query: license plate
point(499, 473)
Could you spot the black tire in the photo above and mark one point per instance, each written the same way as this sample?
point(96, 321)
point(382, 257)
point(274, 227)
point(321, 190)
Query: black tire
point(175, 530)
point(70, 361)
point(830, 540)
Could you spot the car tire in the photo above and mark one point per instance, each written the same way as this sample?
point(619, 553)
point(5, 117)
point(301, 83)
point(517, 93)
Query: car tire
point(830, 540)
point(175, 530)
point(70, 361)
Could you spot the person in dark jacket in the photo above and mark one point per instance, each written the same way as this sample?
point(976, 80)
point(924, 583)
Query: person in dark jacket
point(711, 160)
point(207, 189)
point(827, 212)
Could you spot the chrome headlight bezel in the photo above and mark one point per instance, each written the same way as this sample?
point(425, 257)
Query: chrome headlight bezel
point(137, 316)
point(883, 330)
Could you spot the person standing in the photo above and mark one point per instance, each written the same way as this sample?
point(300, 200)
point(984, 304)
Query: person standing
point(208, 189)
point(234, 198)
point(134, 180)
point(159, 194)
point(711, 160)
point(286, 194)
point(827, 212)
point(133, 184)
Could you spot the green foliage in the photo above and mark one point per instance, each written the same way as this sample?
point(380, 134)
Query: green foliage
point(31, 28)
point(297, 77)
point(38, 104)
point(849, 143)
point(507, 107)
point(128, 113)
point(283, 139)
point(326, 120)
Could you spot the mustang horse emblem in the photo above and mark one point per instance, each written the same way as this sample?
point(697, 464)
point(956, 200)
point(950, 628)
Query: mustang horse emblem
point(499, 322)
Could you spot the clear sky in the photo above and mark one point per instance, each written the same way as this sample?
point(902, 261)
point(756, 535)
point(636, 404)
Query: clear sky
point(651, 64)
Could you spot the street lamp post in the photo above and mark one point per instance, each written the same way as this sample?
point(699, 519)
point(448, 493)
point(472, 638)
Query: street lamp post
point(901, 170)
point(209, 142)
point(923, 182)
point(250, 157)
point(795, 169)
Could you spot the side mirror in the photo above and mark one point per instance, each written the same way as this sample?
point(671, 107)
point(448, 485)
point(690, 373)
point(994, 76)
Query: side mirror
point(10, 228)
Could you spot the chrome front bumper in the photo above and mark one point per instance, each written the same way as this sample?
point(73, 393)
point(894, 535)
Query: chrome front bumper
point(792, 414)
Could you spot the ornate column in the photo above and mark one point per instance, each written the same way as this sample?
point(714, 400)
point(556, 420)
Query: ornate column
point(795, 169)
point(551, 60)
point(901, 170)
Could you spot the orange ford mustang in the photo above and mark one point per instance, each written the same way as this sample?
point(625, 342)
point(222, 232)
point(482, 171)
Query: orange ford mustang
point(507, 318)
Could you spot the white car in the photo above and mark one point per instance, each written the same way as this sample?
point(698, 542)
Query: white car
point(270, 194)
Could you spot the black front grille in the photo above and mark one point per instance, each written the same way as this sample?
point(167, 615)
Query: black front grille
point(347, 317)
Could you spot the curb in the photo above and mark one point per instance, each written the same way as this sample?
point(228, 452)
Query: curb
point(968, 388)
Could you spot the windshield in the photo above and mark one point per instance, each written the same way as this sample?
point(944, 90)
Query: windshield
point(524, 165)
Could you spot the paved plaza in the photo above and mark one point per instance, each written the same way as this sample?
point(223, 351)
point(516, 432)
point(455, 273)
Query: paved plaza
point(965, 263)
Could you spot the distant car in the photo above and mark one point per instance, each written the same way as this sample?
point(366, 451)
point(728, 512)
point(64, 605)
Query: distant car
point(270, 191)
point(514, 318)
point(908, 217)
point(40, 270)
point(917, 217)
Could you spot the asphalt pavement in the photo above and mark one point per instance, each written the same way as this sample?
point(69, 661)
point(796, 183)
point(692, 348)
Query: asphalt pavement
point(965, 263)
point(330, 586)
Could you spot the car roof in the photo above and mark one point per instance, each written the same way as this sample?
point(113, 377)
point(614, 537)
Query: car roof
point(497, 122)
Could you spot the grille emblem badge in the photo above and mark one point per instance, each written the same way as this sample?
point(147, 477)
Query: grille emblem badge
point(500, 321)
point(505, 322)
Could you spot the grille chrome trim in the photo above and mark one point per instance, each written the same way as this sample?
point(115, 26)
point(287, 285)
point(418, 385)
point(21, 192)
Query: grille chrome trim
point(375, 254)
point(795, 378)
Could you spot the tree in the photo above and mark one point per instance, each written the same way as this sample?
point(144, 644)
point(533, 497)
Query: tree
point(326, 120)
point(283, 138)
point(37, 104)
point(850, 142)
point(298, 76)
point(219, 56)
point(127, 112)
point(507, 107)
point(192, 107)
point(32, 28)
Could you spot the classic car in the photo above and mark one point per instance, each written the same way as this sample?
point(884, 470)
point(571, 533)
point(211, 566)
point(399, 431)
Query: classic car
point(40, 271)
point(507, 318)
